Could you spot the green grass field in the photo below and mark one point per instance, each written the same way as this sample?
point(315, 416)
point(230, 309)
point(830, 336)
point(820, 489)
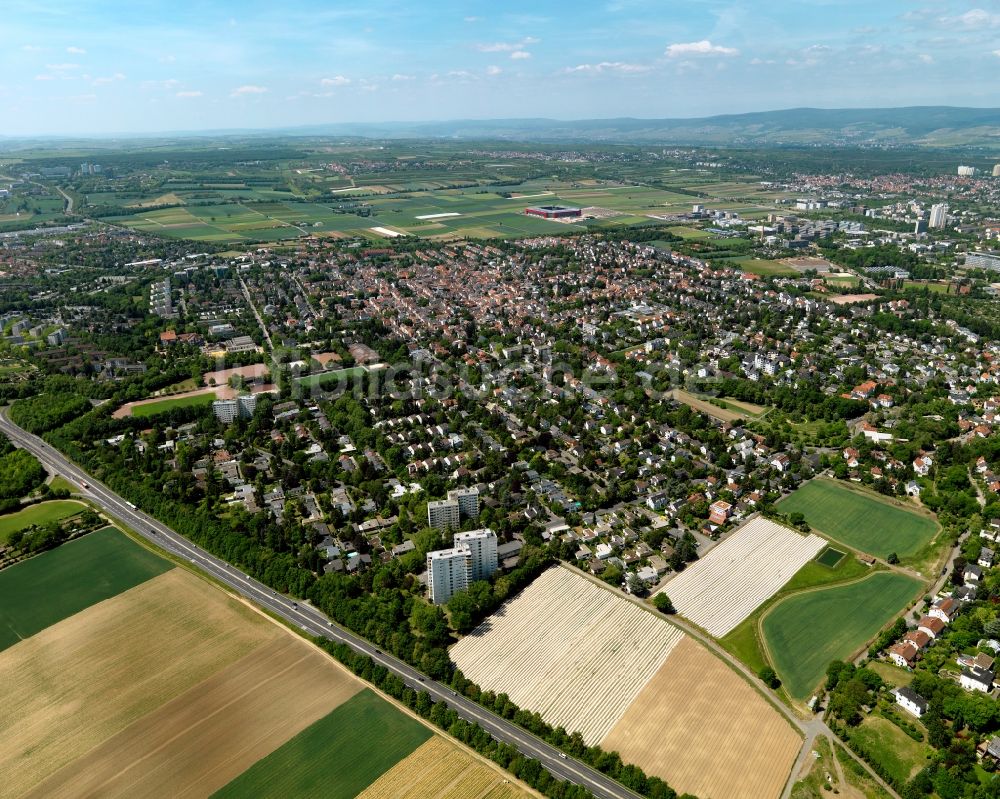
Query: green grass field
point(164, 405)
point(50, 587)
point(860, 520)
point(759, 266)
point(803, 633)
point(889, 746)
point(744, 642)
point(43, 513)
point(337, 757)
point(328, 379)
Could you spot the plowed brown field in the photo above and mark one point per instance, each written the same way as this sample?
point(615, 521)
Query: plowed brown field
point(706, 731)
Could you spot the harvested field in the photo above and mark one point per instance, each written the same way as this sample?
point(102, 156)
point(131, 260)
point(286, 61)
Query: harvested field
point(74, 685)
point(848, 299)
point(563, 648)
point(220, 377)
point(702, 728)
point(706, 407)
point(202, 739)
point(734, 579)
point(442, 770)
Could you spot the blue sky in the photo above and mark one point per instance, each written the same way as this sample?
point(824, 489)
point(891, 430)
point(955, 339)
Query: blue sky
point(83, 66)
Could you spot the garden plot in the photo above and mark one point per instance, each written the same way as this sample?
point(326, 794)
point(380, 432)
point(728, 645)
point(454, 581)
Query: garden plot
point(570, 650)
point(740, 574)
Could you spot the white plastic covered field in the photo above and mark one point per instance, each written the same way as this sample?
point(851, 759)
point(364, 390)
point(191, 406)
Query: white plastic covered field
point(570, 650)
point(744, 571)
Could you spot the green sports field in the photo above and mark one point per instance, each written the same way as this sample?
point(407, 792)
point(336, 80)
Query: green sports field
point(43, 513)
point(50, 587)
point(860, 520)
point(164, 405)
point(337, 757)
point(806, 631)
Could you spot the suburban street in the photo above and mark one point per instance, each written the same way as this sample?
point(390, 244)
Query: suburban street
point(308, 619)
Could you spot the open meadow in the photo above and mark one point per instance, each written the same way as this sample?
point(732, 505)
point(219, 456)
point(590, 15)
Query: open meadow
point(876, 525)
point(42, 513)
point(737, 576)
point(585, 657)
point(805, 631)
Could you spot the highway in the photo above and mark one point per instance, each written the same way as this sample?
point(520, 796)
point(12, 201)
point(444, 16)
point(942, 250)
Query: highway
point(310, 620)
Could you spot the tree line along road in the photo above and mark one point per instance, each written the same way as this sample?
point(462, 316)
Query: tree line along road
point(311, 621)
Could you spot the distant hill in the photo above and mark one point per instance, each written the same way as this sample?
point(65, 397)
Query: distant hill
point(917, 125)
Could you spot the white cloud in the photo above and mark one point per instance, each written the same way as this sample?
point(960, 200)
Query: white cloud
point(704, 47)
point(62, 67)
point(472, 19)
point(399, 76)
point(609, 66)
point(507, 47)
point(30, 48)
point(188, 94)
point(243, 91)
point(44, 77)
point(110, 79)
point(927, 58)
point(336, 80)
point(973, 19)
point(493, 70)
point(996, 53)
point(520, 55)
point(76, 50)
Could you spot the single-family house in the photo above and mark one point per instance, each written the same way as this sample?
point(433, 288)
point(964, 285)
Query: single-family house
point(945, 609)
point(910, 701)
point(903, 654)
point(931, 625)
point(974, 678)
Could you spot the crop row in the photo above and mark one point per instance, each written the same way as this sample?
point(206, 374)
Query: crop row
point(569, 650)
point(734, 579)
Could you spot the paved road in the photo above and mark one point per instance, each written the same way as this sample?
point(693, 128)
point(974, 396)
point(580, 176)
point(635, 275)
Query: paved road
point(263, 327)
point(310, 620)
point(69, 201)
